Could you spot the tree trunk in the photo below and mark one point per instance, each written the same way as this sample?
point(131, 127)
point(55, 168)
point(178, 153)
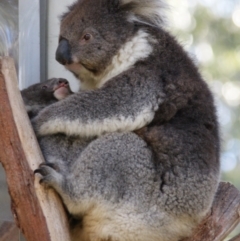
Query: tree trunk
point(38, 212)
point(224, 216)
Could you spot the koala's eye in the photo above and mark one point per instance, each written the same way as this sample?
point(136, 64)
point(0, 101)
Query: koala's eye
point(87, 36)
point(44, 87)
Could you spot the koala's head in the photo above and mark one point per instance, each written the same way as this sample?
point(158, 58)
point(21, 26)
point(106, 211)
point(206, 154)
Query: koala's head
point(46, 92)
point(94, 31)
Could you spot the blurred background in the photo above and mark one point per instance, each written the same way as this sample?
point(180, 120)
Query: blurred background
point(208, 29)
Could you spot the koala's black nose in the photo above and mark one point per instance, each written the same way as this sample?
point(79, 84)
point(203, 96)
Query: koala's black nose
point(62, 81)
point(63, 53)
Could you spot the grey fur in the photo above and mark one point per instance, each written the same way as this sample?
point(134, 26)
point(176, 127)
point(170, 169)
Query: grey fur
point(135, 155)
point(40, 95)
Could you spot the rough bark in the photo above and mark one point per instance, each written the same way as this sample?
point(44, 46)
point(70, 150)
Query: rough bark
point(224, 216)
point(38, 212)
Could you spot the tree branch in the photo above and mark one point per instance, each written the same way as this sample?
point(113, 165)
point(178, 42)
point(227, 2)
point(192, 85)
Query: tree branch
point(224, 216)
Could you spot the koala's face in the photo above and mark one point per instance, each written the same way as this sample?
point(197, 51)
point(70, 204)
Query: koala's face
point(55, 88)
point(91, 34)
point(49, 90)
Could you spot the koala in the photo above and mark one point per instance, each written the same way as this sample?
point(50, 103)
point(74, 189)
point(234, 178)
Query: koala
point(38, 96)
point(134, 155)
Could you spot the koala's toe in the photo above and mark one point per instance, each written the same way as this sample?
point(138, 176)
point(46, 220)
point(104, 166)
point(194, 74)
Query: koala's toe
point(54, 166)
point(44, 169)
point(40, 171)
point(46, 181)
point(50, 177)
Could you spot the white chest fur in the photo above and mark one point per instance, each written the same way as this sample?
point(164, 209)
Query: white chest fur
point(134, 50)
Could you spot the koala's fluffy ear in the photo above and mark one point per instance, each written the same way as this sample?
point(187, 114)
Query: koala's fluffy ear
point(151, 11)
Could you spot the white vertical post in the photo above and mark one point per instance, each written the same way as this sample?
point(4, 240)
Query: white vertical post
point(55, 9)
point(29, 42)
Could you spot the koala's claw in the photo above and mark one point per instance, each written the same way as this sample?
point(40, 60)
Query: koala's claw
point(39, 170)
point(50, 177)
point(44, 168)
point(44, 181)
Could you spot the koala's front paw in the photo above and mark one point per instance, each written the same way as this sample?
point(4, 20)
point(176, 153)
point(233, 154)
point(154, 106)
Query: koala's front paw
point(37, 123)
point(50, 175)
point(40, 123)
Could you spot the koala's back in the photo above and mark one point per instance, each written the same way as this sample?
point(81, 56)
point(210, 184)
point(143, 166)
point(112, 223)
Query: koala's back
point(184, 133)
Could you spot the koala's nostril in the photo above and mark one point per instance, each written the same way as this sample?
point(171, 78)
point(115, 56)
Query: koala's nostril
point(63, 53)
point(63, 81)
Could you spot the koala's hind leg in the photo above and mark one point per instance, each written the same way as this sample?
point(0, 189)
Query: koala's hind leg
point(111, 187)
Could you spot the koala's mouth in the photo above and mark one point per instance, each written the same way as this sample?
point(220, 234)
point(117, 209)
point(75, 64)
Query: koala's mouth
point(79, 68)
point(61, 92)
point(74, 67)
point(60, 87)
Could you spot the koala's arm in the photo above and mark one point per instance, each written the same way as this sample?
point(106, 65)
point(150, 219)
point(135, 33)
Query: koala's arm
point(120, 105)
point(33, 111)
